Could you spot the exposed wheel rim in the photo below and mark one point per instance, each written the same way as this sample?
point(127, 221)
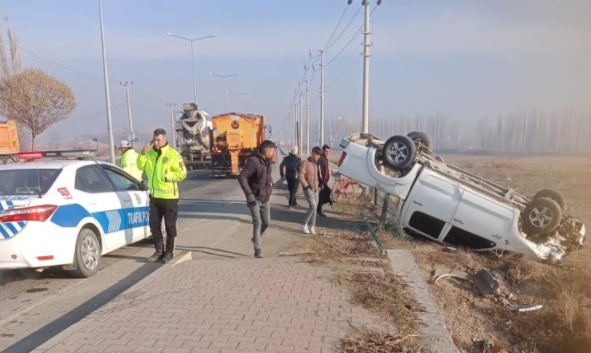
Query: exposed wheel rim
point(398, 152)
point(90, 253)
point(540, 216)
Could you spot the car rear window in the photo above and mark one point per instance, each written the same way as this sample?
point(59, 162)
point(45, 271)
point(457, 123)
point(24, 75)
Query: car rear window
point(27, 181)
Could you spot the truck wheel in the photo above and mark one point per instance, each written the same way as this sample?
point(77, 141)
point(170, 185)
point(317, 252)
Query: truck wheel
point(399, 152)
point(554, 195)
point(87, 254)
point(541, 216)
point(421, 137)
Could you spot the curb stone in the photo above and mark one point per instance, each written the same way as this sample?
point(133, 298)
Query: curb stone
point(182, 256)
point(433, 331)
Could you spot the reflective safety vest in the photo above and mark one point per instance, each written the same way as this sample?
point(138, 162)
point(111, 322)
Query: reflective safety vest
point(129, 164)
point(164, 168)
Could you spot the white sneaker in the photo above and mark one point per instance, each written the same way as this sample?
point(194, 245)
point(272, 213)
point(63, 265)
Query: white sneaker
point(313, 230)
point(305, 229)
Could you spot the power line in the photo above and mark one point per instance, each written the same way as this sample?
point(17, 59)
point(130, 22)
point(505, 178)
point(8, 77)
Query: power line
point(342, 73)
point(344, 29)
point(336, 27)
point(42, 60)
point(350, 41)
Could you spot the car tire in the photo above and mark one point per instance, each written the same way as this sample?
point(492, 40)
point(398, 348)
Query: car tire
point(399, 152)
point(541, 216)
point(87, 254)
point(554, 195)
point(421, 137)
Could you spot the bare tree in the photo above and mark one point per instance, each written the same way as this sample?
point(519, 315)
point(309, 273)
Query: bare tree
point(36, 100)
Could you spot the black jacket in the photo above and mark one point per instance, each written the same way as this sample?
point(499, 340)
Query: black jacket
point(290, 164)
point(255, 178)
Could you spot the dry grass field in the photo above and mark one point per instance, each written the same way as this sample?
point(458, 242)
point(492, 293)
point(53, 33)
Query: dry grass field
point(564, 323)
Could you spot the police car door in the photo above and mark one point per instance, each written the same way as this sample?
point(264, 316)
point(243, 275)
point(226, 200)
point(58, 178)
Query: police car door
point(95, 193)
point(134, 201)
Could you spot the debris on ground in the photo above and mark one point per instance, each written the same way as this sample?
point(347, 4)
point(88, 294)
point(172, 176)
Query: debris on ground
point(485, 283)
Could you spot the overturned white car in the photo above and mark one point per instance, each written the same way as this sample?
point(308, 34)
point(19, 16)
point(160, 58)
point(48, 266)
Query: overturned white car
point(453, 206)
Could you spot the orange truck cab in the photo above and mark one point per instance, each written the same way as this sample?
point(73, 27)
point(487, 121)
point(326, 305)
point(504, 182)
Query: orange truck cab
point(234, 137)
point(9, 145)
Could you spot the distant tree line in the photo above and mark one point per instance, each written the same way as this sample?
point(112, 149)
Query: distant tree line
point(532, 132)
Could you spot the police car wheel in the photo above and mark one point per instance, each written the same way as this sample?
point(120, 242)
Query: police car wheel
point(88, 254)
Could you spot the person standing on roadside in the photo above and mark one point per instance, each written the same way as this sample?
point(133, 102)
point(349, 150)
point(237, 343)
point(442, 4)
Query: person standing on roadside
point(164, 167)
point(309, 173)
point(325, 191)
point(257, 183)
point(129, 160)
point(288, 169)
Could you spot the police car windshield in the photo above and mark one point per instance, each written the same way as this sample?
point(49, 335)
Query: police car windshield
point(27, 181)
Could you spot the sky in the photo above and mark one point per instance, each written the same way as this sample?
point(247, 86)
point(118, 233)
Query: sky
point(463, 59)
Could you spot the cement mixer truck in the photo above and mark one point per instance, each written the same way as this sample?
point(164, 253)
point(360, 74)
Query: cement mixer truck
point(193, 137)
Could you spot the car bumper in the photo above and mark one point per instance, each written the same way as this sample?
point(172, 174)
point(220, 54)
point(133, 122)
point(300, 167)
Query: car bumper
point(38, 245)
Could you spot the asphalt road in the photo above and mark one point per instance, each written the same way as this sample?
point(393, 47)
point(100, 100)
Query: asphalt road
point(213, 222)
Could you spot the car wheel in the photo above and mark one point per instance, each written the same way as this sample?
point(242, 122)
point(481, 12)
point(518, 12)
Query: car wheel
point(421, 137)
point(541, 216)
point(554, 195)
point(399, 152)
point(87, 254)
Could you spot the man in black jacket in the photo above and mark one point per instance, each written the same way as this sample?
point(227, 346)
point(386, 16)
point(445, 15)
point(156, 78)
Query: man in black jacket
point(257, 184)
point(325, 191)
point(288, 169)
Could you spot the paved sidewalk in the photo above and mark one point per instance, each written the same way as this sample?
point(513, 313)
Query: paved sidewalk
point(247, 305)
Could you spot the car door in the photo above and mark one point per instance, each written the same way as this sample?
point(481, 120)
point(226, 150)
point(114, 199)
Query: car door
point(479, 222)
point(135, 204)
point(431, 205)
point(95, 193)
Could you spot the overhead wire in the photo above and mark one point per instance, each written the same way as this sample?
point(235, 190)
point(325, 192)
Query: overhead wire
point(336, 27)
point(344, 29)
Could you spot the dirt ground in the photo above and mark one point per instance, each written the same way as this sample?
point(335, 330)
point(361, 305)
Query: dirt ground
point(564, 322)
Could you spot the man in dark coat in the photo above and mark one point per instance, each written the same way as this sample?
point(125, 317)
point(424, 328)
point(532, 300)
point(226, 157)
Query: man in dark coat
point(288, 169)
point(325, 191)
point(257, 184)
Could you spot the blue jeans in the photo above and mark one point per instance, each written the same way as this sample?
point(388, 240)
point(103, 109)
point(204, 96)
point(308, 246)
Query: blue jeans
point(312, 197)
point(261, 218)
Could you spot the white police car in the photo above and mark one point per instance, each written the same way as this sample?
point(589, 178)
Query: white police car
point(68, 213)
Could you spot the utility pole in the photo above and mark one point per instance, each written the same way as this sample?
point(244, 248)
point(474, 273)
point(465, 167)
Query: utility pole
point(107, 95)
point(322, 97)
point(172, 123)
point(366, 46)
point(307, 117)
point(128, 99)
point(301, 126)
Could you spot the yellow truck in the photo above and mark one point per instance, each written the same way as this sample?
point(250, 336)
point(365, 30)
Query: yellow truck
point(233, 139)
point(9, 145)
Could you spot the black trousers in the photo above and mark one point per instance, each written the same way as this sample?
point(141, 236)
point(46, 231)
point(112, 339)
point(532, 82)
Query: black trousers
point(167, 210)
point(323, 197)
point(292, 186)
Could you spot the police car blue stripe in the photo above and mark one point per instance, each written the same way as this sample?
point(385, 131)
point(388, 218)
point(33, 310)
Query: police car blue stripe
point(3, 232)
point(111, 221)
point(11, 228)
point(22, 224)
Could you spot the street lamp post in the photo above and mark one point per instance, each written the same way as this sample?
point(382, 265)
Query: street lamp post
point(224, 77)
point(107, 94)
point(191, 40)
point(238, 94)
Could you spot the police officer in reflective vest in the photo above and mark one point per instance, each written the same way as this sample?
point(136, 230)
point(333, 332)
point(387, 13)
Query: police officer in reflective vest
point(164, 167)
point(129, 160)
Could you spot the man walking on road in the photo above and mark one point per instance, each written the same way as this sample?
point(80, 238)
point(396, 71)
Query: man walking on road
point(324, 196)
point(129, 160)
point(257, 183)
point(164, 167)
point(288, 169)
point(309, 173)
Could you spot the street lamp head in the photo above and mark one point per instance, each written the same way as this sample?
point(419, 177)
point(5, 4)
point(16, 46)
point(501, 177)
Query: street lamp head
point(169, 34)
